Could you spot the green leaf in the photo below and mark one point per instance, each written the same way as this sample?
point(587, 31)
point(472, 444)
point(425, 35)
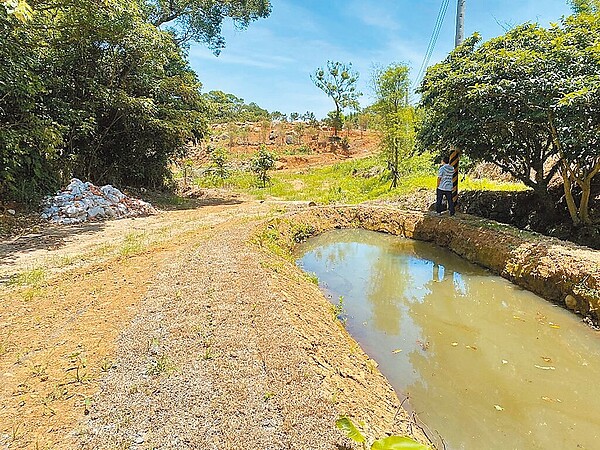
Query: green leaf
point(398, 443)
point(346, 425)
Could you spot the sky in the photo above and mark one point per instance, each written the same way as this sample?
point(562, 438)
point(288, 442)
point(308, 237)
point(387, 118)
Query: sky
point(270, 62)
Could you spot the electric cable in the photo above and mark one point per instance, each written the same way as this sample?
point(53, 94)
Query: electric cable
point(432, 41)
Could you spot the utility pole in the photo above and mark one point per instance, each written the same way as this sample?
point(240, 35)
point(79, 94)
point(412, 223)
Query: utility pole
point(455, 152)
point(460, 23)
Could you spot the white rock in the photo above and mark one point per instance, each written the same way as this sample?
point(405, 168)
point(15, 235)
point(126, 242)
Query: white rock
point(96, 211)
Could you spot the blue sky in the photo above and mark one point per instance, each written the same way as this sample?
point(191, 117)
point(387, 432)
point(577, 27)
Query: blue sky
point(270, 62)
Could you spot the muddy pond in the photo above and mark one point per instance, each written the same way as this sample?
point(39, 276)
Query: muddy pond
point(484, 363)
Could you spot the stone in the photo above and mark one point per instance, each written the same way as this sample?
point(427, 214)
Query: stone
point(571, 302)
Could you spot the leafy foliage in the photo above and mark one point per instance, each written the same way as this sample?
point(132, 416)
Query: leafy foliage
point(338, 81)
point(388, 443)
point(218, 164)
point(201, 20)
point(262, 162)
point(526, 101)
point(395, 117)
point(229, 108)
point(95, 90)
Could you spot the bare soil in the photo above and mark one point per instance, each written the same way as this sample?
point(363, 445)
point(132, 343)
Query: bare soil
point(176, 331)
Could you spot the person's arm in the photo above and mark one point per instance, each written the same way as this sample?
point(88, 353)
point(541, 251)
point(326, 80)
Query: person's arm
point(439, 180)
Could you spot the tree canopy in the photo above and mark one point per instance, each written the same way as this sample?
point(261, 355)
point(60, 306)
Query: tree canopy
point(202, 20)
point(526, 101)
point(338, 81)
point(227, 108)
point(96, 90)
point(395, 117)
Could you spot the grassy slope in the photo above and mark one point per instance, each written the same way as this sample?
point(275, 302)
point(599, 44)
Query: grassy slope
point(352, 182)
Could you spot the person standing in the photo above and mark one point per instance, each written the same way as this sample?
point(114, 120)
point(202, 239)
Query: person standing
point(444, 186)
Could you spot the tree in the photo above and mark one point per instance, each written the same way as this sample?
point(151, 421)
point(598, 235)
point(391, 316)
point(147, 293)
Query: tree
point(310, 118)
point(229, 108)
point(527, 101)
point(395, 117)
point(575, 118)
point(338, 81)
point(278, 116)
point(261, 163)
point(491, 101)
point(201, 20)
point(90, 90)
point(585, 6)
point(217, 168)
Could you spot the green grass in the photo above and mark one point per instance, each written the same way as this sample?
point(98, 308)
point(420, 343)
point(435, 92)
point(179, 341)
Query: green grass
point(134, 244)
point(350, 182)
point(33, 278)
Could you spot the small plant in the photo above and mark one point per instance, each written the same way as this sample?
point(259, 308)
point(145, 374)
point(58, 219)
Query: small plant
point(39, 371)
point(159, 365)
point(106, 365)
point(217, 168)
point(339, 311)
point(262, 162)
point(388, 443)
point(15, 432)
point(208, 354)
point(80, 376)
point(313, 278)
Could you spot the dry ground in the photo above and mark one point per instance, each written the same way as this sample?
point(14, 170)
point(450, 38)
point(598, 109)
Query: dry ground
point(175, 331)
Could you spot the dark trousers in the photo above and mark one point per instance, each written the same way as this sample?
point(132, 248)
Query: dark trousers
point(439, 194)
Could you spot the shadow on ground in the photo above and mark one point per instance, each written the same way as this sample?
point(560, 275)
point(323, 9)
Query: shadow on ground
point(51, 237)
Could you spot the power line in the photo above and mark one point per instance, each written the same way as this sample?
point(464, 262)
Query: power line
point(432, 41)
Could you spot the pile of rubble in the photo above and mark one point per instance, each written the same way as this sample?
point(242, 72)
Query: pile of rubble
point(80, 202)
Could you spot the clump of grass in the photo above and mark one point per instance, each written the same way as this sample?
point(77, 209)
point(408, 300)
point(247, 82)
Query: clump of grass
point(159, 366)
point(134, 244)
point(34, 278)
point(311, 277)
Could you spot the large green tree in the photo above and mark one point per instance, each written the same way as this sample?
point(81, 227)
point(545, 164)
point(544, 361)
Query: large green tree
point(338, 81)
point(527, 101)
point(100, 90)
point(575, 118)
point(491, 101)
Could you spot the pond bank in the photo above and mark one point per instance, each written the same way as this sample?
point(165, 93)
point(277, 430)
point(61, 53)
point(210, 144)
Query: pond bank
point(559, 271)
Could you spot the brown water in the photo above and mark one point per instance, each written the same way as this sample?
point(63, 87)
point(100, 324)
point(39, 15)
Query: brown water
point(486, 364)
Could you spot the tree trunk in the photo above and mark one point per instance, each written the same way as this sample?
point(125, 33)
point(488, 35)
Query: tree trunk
point(584, 210)
point(568, 186)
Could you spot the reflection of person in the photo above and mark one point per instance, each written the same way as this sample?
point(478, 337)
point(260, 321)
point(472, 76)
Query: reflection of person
point(444, 186)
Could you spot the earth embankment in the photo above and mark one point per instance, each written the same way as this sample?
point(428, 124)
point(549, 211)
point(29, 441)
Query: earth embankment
point(559, 271)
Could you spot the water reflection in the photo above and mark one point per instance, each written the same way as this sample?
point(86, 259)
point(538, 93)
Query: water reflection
point(485, 363)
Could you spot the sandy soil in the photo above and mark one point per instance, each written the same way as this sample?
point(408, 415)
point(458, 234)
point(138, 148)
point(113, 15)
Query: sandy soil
point(176, 331)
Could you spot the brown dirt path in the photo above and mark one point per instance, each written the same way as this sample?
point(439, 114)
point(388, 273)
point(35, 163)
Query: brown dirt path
point(220, 343)
point(58, 333)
